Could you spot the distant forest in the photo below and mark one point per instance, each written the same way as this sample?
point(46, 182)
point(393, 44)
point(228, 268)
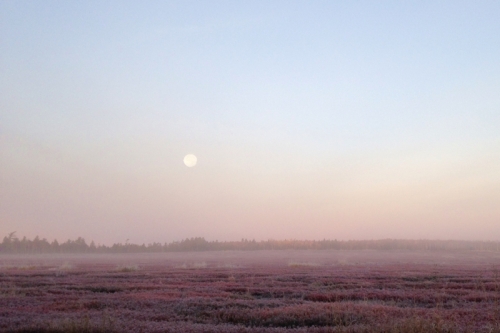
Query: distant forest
point(12, 244)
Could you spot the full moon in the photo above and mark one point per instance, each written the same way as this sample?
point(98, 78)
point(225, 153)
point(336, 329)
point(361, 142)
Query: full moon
point(190, 160)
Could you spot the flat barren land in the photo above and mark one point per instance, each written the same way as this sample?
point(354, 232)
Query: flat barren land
point(252, 291)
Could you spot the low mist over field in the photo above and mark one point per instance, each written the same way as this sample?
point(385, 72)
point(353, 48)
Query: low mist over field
point(160, 121)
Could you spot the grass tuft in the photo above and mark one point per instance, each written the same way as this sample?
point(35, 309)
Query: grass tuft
point(127, 268)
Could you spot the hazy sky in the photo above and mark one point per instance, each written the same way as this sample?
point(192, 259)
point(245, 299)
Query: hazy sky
point(309, 119)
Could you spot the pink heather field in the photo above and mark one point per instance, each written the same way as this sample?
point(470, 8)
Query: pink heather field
point(252, 291)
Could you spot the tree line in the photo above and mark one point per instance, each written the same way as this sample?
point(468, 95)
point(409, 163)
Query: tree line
point(12, 244)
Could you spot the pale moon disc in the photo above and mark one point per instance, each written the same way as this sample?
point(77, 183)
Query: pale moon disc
point(190, 160)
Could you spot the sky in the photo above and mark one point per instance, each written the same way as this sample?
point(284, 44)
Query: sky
point(308, 120)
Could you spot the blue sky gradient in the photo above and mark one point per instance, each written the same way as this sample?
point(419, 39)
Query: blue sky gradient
point(310, 119)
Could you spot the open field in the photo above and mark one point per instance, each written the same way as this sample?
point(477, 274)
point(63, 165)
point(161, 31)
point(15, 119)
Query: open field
point(261, 291)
